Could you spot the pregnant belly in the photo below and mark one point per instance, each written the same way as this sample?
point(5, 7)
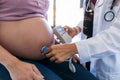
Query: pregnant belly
point(26, 38)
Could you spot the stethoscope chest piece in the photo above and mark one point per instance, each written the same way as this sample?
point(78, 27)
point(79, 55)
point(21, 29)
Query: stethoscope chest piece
point(109, 16)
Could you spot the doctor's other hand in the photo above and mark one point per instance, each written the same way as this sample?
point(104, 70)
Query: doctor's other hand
point(61, 52)
point(72, 31)
point(24, 71)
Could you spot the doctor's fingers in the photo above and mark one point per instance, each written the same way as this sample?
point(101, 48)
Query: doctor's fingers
point(54, 54)
point(47, 51)
point(55, 57)
point(56, 60)
point(75, 58)
point(51, 51)
point(66, 27)
point(49, 55)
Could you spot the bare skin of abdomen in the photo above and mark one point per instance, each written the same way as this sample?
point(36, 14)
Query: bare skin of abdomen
point(25, 38)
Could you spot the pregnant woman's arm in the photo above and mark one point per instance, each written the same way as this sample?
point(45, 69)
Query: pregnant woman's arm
point(16, 67)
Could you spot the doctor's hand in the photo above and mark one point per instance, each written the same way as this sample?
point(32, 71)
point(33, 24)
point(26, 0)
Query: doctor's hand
point(72, 31)
point(61, 52)
point(24, 71)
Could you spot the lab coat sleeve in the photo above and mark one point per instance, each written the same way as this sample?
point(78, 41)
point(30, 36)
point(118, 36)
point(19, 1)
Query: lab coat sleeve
point(104, 44)
point(80, 24)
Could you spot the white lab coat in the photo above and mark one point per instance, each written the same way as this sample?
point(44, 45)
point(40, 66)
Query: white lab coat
point(103, 49)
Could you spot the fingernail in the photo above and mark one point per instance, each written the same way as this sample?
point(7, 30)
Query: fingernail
point(75, 61)
point(42, 76)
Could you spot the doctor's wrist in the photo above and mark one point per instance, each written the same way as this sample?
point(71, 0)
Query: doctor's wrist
point(73, 49)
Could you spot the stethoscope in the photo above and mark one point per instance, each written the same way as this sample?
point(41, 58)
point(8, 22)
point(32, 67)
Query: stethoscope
point(70, 64)
point(109, 15)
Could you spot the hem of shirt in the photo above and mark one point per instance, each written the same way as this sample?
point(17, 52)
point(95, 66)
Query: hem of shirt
point(19, 18)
